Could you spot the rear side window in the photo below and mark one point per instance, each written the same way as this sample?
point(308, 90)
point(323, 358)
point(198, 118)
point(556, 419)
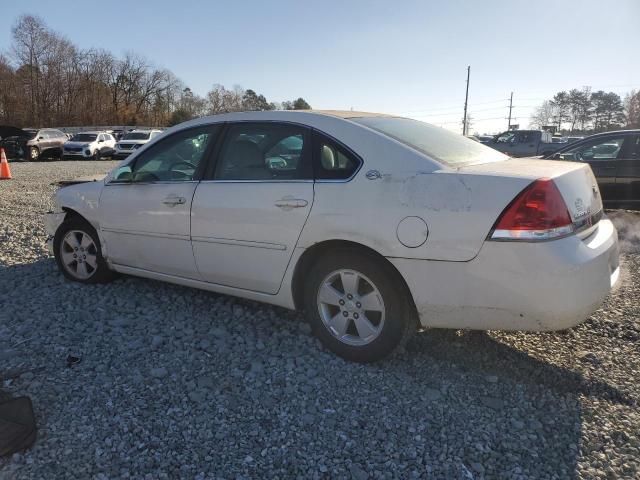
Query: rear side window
point(607, 148)
point(264, 151)
point(333, 161)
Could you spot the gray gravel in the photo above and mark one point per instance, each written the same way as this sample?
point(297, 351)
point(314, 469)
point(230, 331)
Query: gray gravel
point(179, 383)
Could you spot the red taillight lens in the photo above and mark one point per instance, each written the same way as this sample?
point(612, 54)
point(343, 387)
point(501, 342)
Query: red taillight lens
point(537, 213)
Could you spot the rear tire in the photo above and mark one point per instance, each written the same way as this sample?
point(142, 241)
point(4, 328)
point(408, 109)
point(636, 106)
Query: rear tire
point(368, 319)
point(78, 253)
point(96, 155)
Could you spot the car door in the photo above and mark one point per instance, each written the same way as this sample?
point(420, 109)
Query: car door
point(525, 144)
point(43, 141)
point(145, 205)
point(102, 145)
point(248, 215)
point(628, 171)
point(505, 143)
point(601, 153)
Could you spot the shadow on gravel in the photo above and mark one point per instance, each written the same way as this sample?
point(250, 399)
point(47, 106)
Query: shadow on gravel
point(483, 354)
point(183, 381)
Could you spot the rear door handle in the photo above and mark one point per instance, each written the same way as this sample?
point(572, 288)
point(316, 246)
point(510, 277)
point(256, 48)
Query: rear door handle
point(174, 200)
point(290, 203)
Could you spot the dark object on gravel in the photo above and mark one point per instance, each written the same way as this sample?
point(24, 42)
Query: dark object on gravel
point(73, 360)
point(17, 425)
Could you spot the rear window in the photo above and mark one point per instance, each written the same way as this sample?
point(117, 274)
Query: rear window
point(137, 136)
point(438, 143)
point(84, 137)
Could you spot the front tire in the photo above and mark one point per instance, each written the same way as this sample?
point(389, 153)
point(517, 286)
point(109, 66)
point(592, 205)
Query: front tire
point(34, 154)
point(78, 253)
point(96, 155)
point(357, 306)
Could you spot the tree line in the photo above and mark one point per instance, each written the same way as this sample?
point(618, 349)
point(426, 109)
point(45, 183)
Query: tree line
point(45, 80)
point(585, 112)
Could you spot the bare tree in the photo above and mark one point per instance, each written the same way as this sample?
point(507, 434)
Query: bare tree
point(543, 115)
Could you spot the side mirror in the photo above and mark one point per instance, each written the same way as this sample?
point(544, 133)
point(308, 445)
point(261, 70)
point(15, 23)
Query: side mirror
point(100, 141)
point(40, 138)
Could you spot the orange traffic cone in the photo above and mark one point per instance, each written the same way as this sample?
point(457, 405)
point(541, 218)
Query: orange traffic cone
point(5, 171)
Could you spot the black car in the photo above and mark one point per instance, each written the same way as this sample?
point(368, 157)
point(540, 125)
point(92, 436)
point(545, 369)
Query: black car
point(615, 160)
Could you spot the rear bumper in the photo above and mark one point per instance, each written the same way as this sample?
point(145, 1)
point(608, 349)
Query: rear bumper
point(517, 286)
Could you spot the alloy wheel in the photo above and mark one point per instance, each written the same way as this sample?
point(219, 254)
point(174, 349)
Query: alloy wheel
point(79, 254)
point(351, 307)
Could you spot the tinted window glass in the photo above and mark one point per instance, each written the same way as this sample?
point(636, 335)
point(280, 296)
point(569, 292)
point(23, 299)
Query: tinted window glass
point(598, 149)
point(438, 143)
point(266, 151)
point(137, 136)
point(634, 147)
point(176, 158)
point(84, 137)
point(335, 163)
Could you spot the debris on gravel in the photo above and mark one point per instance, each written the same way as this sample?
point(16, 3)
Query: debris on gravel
point(181, 383)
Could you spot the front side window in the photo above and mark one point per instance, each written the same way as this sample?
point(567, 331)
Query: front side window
point(264, 151)
point(507, 137)
point(599, 149)
point(177, 158)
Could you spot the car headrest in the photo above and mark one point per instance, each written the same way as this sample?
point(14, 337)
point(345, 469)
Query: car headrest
point(245, 154)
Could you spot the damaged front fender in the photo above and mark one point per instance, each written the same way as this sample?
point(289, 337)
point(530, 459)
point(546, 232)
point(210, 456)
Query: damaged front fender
point(52, 220)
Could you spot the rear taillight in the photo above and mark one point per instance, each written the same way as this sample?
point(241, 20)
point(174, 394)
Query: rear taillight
point(537, 213)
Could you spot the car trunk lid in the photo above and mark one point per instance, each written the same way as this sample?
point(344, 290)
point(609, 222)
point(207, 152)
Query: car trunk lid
point(575, 181)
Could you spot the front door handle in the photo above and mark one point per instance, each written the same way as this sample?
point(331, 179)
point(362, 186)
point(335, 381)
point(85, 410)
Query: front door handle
point(173, 201)
point(290, 203)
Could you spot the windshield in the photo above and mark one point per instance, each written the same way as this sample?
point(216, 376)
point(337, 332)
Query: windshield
point(136, 136)
point(84, 137)
point(438, 143)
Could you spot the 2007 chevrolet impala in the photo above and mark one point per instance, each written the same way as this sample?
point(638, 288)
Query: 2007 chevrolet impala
point(371, 224)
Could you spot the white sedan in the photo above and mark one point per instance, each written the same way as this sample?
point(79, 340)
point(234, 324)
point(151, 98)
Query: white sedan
point(373, 225)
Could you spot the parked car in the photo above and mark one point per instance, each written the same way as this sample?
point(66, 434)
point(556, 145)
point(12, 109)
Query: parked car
point(555, 139)
point(573, 139)
point(373, 225)
point(32, 144)
point(85, 145)
point(133, 140)
point(614, 158)
point(524, 143)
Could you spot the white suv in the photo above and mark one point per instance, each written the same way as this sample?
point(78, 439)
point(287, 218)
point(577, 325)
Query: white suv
point(85, 145)
point(134, 140)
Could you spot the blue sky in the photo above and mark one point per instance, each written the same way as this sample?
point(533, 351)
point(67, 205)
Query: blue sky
point(402, 56)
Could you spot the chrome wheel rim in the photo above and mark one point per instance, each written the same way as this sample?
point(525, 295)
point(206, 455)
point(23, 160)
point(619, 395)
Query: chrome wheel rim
point(351, 307)
point(79, 254)
point(34, 153)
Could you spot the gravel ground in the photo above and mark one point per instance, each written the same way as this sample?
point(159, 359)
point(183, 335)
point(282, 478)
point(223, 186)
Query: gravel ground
point(180, 383)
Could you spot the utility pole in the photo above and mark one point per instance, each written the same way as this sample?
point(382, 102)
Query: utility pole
point(466, 100)
point(510, 107)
